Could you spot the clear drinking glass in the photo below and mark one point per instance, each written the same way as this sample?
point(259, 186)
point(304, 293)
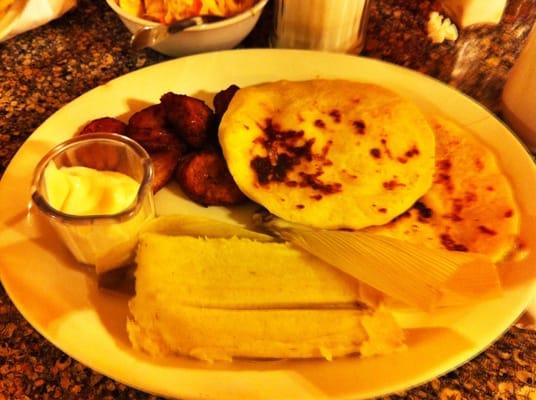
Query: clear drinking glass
point(329, 25)
point(105, 241)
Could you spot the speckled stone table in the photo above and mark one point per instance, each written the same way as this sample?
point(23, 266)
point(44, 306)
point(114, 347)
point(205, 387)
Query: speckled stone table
point(44, 69)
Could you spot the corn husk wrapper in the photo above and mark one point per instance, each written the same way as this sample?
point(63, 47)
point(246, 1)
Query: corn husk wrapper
point(189, 225)
point(415, 275)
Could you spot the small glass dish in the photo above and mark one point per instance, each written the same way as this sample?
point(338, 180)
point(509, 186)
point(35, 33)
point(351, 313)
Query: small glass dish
point(106, 241)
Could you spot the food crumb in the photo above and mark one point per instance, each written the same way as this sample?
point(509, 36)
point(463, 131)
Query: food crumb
point(440, 28)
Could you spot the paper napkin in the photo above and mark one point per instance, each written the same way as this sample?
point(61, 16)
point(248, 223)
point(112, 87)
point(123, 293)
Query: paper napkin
point(33, 14)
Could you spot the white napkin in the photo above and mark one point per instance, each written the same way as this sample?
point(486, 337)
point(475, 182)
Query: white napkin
point(36, 13)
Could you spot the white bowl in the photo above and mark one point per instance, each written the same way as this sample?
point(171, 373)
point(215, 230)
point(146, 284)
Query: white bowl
point(220, 35)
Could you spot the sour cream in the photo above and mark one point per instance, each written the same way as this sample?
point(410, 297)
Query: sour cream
point(86, 191)
point(86, 195)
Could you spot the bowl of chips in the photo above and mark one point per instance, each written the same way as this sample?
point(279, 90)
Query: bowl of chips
point(239, 18)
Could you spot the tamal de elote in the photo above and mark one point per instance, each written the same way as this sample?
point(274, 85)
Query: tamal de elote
point(216, 299)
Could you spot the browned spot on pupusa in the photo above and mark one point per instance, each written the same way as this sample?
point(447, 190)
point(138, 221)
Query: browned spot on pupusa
point(414, 151)
point(487, 231)
point(285, 150)
point(392, 184)
point(445, 180)
point(335, 115)
point(479, 164)
point(405, 214)
point(442, 176)
point(385, 148)
point(425, 213)
point(457, 205)
point(320, 124)
point(348, 174)
point(375, 152)
point(444, 165)
point(312, 180)
point(322, 157)
point(470, 197)
point(359, 126)
point(457, 208)
point(450, 244)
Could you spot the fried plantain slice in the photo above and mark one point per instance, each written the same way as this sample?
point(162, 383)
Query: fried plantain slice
point(96, 156)
point(205, 179)
point(106, 124)
point(190, 118)
point(149, 128)
point(222, 99)
point(164, 164)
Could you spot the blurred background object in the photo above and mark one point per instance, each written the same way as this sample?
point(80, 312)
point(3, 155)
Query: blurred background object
point(24, 15)
point(477, 63)
point(221, 35)
point(471, 12)
point(320, 24)
point(519, 95)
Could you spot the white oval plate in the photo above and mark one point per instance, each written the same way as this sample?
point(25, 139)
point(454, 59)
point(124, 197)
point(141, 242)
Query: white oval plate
point(61, 300)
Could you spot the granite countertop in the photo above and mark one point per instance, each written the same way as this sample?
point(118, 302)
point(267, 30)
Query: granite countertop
point(44, 69)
